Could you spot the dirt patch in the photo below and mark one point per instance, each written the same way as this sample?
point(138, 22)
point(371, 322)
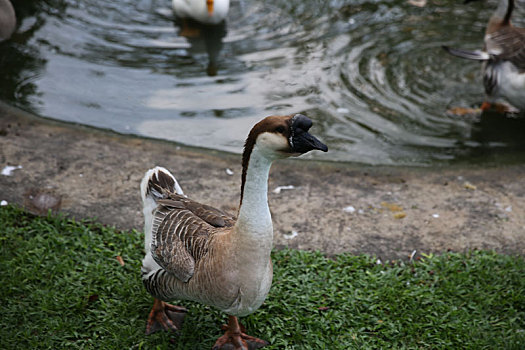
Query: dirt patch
point(386, 211)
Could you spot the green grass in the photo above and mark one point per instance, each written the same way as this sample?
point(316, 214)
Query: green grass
point(62, 287)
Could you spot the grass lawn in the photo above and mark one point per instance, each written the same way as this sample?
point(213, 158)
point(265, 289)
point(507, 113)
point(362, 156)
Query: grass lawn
point(62, 287)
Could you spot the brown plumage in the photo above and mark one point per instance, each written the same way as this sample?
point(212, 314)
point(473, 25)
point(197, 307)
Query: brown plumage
point(177, 248)
point(506, 40)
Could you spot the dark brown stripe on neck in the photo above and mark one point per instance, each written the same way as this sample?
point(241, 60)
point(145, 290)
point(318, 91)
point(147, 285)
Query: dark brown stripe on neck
point(510, 8)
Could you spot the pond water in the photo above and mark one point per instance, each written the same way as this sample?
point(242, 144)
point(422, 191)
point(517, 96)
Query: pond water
point(371, 74)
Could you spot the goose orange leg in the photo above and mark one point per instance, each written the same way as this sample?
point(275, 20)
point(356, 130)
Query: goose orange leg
point(486, 106)
point(164, 316)
point(235, 336)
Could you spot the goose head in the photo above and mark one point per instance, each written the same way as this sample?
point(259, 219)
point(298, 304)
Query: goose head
point(282, 137)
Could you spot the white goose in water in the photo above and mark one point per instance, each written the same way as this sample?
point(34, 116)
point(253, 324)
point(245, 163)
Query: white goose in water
point(196, 252)
point(204, 11)
point(503, 57)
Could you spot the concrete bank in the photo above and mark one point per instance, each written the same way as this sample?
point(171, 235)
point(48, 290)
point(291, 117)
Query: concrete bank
point(386, 211)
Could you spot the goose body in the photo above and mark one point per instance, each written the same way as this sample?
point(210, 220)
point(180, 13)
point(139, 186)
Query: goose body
point(503, 57)
point(196, 252)
point(191, 270)
point(204, 11)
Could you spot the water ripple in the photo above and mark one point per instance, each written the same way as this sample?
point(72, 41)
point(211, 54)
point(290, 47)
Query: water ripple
point(372, 73)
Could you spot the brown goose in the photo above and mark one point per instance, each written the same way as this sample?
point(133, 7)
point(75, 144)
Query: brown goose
point(197, 252)
point(503, 57)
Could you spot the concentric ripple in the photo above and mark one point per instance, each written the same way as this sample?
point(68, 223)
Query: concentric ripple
point(371, 73)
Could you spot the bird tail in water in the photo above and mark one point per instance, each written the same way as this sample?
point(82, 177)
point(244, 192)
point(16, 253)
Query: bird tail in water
point(470, 55)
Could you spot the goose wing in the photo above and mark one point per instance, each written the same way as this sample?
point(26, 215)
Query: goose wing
point(181, 232)
point(207, 213)
point(508, 43)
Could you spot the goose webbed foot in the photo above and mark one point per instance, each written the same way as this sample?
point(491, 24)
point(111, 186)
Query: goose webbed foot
point(236, 339)
point(500, 108)
point(164, 316)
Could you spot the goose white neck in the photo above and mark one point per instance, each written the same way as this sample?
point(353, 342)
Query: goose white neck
point(254, 213)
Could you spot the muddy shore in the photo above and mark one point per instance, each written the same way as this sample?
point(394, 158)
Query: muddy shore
point(385, 211)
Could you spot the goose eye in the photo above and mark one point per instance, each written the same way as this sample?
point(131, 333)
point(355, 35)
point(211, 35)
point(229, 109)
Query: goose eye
point(280, 129)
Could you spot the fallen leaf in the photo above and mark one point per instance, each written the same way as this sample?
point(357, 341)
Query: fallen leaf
point(120, 260)
point(391, 206)
point(92, 298)
point(400, 215)
point(469, 186)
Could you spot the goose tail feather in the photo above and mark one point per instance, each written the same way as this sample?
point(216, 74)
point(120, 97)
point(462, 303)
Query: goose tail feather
point(156, 184)
point(470, 55)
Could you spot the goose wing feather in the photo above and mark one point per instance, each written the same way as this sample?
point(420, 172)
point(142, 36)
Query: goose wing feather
point(508, 43)
point(181, 233)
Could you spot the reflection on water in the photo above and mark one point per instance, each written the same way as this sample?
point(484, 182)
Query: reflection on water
point(495, 134)
point(371, 73)
point(21, 64)
point(204, 37)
